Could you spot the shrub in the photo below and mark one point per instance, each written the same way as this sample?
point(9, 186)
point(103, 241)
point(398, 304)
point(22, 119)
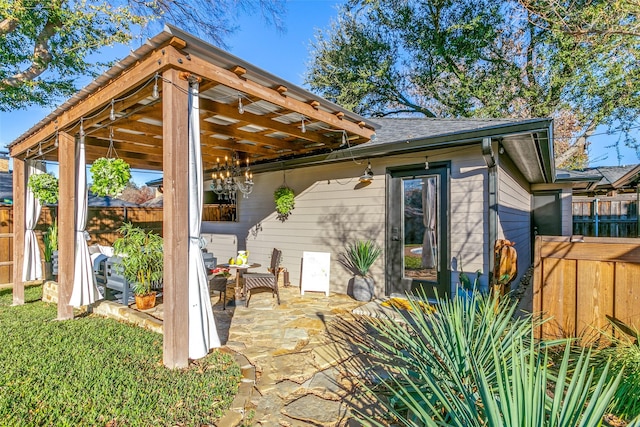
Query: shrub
point(472, 365)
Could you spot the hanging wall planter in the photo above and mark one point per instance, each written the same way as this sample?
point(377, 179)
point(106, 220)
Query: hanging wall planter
point(110, 176)
point(285, 201)
point(44, 187)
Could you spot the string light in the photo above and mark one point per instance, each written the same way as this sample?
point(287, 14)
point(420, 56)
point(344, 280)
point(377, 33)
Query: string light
point(304, 129)
point(240, 106)
point(154, 93)
point(426, 163)
point(112, 113)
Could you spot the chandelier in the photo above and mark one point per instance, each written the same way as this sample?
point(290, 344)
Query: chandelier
point(228, 178)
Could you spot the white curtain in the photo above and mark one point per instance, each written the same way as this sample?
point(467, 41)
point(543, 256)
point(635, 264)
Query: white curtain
point(85, 291)
point(202, 328)
point(430, 221)
point(32, 267)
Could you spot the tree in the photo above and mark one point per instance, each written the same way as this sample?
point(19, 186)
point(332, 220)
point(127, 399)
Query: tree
point(46, 45)
point(139, 195)
point(485, 58)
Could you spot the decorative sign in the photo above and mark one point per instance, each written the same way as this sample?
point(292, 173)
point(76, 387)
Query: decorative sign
point(315, 272)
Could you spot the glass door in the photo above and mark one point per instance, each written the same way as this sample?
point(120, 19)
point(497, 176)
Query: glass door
point(417, 232)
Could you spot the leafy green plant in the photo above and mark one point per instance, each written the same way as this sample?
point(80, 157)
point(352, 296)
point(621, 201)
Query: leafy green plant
point(624, 353)
point(50, 240)
point(142, 258)
point(44, 187)
point(466, 282)
point(285, 199)
point(110, 176)
point(360, 256)
point(473, 365)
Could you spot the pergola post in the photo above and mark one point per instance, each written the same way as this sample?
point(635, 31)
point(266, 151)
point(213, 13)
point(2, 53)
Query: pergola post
point(175, 219)
point(66, 222)
point(19, 185)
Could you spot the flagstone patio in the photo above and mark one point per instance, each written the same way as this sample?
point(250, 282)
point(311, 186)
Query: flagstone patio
point(299, 358)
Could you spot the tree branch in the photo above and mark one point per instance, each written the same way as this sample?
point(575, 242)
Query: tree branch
point(41, 56)
point(7, 25)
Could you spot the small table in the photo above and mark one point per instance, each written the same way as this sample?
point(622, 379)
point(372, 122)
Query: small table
point(239, 269)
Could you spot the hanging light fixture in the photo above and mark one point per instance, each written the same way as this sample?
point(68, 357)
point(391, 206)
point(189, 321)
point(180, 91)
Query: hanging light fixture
point(367, 175)
point(228, 178)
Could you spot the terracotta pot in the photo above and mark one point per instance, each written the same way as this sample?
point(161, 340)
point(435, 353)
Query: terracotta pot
point(145, 302)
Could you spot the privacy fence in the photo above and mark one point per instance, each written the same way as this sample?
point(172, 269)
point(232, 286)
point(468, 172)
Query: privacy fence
point(581, 283)
point(102, 225)
point(615, 216)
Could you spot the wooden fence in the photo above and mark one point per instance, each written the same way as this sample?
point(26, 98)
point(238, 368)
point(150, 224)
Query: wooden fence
point(102, 225)
point(615, 216)
point(580, 283)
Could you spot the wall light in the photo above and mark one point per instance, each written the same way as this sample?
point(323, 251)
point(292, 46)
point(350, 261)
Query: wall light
point(367, 175)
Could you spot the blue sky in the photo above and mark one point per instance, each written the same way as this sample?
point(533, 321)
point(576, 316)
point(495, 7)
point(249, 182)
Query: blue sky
point(284, 54)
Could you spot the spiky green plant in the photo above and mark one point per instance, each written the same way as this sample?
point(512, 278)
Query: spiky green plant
point(360, 256)
point(470, 364)
point(624, 353)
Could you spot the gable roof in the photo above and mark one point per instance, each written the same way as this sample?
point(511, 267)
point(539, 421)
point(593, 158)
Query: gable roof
point(527, 141)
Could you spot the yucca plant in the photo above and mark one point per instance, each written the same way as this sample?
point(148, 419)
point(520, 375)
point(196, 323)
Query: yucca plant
point(471, 365)
point(624, 353)
point(360, 256)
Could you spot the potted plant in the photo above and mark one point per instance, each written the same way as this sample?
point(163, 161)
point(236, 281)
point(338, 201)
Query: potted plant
point(142, 262)
point(44, 187)
point(285, 201)
point(50, 241)
point(110, 176)
point(358, 258)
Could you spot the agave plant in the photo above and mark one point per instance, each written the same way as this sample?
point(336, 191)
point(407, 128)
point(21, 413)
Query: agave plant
point(360, 256)
point(469, 364)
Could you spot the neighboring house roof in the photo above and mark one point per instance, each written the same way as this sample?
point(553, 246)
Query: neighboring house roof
point(527, 141)
point(601, 178)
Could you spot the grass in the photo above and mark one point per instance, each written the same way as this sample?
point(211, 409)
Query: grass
point(96, 371)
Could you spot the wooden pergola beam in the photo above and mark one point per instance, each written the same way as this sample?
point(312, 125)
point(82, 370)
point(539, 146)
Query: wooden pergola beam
point(227, 78)
point(133, 77)
point(19, 227)
point(66, 222)
point(175, 221)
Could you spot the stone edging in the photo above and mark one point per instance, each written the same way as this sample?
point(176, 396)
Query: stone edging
point(237, 411)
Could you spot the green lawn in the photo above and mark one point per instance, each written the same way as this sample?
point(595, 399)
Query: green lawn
point(96, 371)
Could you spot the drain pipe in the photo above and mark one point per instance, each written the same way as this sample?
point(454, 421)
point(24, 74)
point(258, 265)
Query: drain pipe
point(489, 158)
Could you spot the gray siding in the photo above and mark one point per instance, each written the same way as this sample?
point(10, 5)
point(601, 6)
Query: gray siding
point(332, 210)
point(514, 212)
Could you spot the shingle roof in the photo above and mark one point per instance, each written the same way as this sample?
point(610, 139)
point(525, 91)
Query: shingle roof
point(6, 186)
point(399, 129)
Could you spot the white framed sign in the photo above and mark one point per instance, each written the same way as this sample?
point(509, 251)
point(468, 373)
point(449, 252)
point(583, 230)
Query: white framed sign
point(316, 268)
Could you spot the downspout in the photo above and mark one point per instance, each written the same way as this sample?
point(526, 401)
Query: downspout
point(489, 158)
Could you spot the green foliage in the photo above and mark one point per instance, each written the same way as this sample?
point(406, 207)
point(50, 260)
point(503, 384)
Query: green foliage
point(466, 282)
point(44, 187)
point(624, 354)
point(285, 200)
point(485, 58)
point(94, 371)
point(50, 240)
point(360, 256)
point(142, 257)
point(110, 176)
point(470, 364)
point(45, 46)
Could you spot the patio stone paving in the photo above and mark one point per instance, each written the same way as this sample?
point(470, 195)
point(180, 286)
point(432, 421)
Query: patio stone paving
point(302, 350)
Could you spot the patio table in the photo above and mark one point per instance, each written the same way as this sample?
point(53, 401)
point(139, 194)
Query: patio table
point(240, 268)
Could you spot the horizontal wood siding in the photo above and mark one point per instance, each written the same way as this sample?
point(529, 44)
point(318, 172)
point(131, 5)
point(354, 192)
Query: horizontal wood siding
point(579, 284)
point(329, 212)
point(514, 213)
point(468, 219)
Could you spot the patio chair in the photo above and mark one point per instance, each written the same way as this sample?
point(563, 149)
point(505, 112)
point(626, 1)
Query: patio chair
point(264, 280)
point(115, 280)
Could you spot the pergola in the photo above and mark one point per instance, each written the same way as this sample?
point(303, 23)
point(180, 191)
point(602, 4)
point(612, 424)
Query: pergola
point(139, 107)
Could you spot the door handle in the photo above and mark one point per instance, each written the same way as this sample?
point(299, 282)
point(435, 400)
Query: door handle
point(395, 238)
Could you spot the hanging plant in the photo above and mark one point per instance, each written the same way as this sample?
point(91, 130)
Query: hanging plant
point(44, 187)
point(110, 176)
point(285, 201)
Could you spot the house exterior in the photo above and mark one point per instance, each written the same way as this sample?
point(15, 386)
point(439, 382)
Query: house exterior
point(488, 175)
point(436, 194)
